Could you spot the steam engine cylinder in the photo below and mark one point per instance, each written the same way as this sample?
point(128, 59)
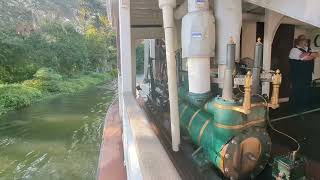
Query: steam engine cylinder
point(237, 144)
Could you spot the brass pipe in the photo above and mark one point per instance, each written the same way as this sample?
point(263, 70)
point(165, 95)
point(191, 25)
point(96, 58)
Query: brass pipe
point(276, 82)
point(247, 93)
point(247, 104)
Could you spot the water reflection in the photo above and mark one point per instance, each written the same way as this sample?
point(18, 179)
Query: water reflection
point(55, 139)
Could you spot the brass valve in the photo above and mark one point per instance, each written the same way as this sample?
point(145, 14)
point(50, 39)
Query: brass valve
point(247, 93)
point(276, 82)
point(247, 105)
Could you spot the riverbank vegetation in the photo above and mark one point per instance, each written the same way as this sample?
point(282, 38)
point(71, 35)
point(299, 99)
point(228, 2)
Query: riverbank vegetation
point(52, 47)
point(46, 83)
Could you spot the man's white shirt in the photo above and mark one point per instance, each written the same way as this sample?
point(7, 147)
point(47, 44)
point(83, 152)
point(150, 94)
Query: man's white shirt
point(295, 53)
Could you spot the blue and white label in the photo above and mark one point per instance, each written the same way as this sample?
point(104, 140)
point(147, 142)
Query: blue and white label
point(196, 34)
point(200, 1)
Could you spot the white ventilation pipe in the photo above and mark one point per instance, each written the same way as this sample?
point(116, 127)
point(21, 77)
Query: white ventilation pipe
point(228, 15)
point(198, 44)
point(167, 7)
point(152, 51)
point(199, 75)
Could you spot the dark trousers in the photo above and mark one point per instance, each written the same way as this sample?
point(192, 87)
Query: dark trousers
point(301, 78)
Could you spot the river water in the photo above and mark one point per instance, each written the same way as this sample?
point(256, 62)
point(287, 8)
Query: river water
point(58, 138)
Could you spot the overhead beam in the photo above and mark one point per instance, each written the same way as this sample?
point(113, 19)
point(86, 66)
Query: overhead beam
point(306, 10)
point(142, 32)
point(249, 17)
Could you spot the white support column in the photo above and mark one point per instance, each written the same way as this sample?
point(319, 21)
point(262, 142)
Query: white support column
point(146, 58)
point(152, 48)
point(125, 47)
point(133, 63)
point(120, 96)
point(272, 22)
point(153, 55)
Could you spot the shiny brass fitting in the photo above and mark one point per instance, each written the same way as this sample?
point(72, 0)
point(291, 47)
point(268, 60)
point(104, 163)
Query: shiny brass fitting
point(259, 40)
point(231, 40)
point(276, 82)
point(247, 93)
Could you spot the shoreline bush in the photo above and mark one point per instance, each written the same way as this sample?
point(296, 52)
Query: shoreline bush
point(46, 83)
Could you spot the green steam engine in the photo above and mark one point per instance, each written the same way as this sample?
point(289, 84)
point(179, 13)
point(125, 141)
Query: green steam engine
point(230, 132)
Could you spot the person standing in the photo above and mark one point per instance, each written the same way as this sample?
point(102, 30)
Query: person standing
point(301, 60)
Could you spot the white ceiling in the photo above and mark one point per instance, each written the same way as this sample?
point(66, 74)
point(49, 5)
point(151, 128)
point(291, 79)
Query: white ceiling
point(147, 12)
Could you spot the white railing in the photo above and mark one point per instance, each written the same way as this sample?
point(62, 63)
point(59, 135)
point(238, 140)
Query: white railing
point(145, 157)
point(130, 154)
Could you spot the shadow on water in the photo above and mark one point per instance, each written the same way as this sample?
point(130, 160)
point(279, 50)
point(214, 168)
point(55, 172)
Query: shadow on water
point(55, 139)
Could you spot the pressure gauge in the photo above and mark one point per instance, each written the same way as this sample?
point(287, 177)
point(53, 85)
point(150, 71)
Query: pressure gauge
point(317, 41)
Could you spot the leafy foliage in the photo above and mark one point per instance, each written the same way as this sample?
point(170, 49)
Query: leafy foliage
point(57, 46)
point(50, 47)
point(47, 74)
point(14, 96)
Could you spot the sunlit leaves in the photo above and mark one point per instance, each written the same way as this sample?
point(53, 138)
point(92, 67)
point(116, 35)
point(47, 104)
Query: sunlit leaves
point(69, 36)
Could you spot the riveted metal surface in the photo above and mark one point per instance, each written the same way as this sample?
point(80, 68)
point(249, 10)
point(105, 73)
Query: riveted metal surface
point(233, 149)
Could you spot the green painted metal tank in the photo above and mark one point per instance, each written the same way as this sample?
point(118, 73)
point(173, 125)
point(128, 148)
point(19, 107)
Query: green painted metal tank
point(236, 143)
